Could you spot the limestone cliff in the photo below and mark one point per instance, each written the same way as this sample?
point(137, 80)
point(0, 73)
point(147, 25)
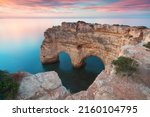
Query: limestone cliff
point(81, 40)
point(107, 42)
point(109, 85)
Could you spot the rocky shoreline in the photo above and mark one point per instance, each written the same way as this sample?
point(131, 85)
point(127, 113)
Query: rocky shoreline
point(107, 42)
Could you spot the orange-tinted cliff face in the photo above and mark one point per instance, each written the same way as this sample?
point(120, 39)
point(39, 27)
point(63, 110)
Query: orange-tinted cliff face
point(109, 85)
point(107, 42)
point(81, 40)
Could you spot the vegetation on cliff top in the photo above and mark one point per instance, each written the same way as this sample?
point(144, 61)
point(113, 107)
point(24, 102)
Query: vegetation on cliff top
point(147, 45)
point(8, 86)
point(125, 65)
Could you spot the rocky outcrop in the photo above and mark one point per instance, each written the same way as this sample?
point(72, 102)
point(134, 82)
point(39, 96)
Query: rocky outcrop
point(107, 42)
point(42, 86)
point(108, 85)
point(81, 40)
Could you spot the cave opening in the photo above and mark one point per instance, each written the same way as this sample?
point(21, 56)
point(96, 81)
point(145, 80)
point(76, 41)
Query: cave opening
point(76, 79)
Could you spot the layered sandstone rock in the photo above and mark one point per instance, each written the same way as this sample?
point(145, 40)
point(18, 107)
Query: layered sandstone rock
point(42, 86)
point(108, 85)
point(107, 42)
point(81, 40)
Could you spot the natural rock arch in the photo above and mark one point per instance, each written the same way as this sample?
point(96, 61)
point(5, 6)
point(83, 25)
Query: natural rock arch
point(77, 56)
point(81, 39)
point(80, 61)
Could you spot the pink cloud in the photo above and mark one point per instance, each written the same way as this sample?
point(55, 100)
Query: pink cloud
point(68, 7)
point(123, 5)
point(36, 7)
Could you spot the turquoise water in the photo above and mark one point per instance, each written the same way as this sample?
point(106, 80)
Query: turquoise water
point(20, 41)
point(76, 79)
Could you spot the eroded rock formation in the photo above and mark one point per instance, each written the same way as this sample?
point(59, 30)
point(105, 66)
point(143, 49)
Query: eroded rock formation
point(81, 40)
point(109, 85)
point(42, 86)
point(107, 42)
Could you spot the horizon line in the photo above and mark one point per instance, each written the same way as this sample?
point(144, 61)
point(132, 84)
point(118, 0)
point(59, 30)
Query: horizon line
point(98, 17)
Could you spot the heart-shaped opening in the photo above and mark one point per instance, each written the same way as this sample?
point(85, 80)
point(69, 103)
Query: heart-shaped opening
point(76, 79)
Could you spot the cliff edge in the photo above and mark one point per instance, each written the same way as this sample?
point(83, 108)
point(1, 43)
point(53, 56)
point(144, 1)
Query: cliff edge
point(107, 42)
point(82, 39)
point(109, 85)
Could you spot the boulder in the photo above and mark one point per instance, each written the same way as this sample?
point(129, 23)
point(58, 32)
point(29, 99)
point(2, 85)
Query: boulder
point(45, 85)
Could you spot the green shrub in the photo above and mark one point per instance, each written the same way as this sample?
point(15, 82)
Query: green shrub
point(142, 27)
point(125, 65)
point(147, 45)
point(8, 86)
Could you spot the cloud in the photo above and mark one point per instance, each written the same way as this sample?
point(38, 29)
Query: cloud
point(64, 8)
point(123, 6)
point(46, 3)
point(114, 5)
point(39, 7)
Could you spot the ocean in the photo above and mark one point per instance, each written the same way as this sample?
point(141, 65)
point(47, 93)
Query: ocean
point(20, 41)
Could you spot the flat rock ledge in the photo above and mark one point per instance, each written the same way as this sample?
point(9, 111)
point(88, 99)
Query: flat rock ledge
point(42, 86)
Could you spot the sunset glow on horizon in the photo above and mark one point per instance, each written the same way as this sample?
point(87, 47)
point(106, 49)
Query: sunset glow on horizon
point(75, 8)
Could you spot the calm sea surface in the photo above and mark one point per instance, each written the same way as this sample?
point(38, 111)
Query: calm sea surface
point(20, 41)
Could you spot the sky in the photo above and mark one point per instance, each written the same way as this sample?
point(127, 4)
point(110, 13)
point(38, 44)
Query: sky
point(75, 8)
